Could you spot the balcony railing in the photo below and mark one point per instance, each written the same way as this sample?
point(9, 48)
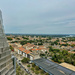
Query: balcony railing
point(5, 53)
point(4, 60)
point(6, 68)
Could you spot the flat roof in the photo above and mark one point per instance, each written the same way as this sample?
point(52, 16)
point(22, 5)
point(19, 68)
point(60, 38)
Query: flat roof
point(69, 66)
point(52, 68)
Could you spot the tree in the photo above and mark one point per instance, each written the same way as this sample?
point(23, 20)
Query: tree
point(19, 71)
point(46, 73)
point(36, 72)
point(50, 48)
point(9, 38)
point(40, 43)
point(52, 43)
point(23, 42)
point(28, 65)
point(49, 38)
point(55, 42)
point(33, 65)
point(42, 55)
point(74, 62)
point(25, 60)
point(26, 74)
point(46, 52)
point(18, 38)
point(36, 67)
point(25, 38)
point(11, 48)
point(64, 52)
point(41, 71)
point(18, 68)
point(32, 69)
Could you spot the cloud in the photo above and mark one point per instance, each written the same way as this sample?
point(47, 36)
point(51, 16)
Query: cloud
point(38, 16)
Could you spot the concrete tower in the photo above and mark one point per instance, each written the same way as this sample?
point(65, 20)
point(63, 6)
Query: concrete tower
point(6, 62)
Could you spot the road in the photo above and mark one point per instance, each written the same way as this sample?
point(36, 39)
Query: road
point(19, 63)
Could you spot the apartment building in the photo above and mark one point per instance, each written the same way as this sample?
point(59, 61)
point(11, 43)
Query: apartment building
point(7, 64)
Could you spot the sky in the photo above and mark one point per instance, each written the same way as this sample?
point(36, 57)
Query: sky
point(38, 16)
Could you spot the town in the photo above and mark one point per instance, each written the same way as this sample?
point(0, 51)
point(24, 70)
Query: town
point(37, 37)
point(28, 49)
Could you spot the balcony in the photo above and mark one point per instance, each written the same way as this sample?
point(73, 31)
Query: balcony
point(4, 60)
point(6, 68)
point(10, 71)
point(3, 49)
point(5, 64)
point(5, 53)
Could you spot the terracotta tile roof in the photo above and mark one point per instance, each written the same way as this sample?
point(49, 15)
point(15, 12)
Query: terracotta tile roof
point(21, 49)
point(71, 52)
point(32, 49)
point(36, 49)
point(28, 43)
point(27, 51)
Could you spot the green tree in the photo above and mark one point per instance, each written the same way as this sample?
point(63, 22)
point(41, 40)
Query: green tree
point(33, 65)
point(36, 72)
point(41, 71)
point(74, 62)
point(26, 74)
point(19, 71)
point(36, 67)
point(11, 48)
point(32, 69)
point(28, 65)
point(9, 38)
point(18, 38)
point(25, 60)
point(55, 42)
point(50, 48)
point(46, 73)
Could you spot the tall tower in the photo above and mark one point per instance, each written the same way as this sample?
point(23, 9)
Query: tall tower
point(6, 62)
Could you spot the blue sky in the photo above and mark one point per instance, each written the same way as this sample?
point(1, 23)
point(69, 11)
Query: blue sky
point(38, 16)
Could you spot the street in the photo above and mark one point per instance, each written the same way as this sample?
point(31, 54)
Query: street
point(19, 63)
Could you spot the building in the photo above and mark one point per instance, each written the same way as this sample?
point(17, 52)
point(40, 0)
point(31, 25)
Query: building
point(25, 53)
point(28, 54)
point(53, 68)
point(7, 64)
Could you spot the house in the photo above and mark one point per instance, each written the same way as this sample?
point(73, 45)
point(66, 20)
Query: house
point(20, 50)
point(25, 53)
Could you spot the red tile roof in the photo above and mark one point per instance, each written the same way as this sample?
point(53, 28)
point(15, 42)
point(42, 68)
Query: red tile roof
point(21, 49)
point(32, 49)
point(27, 51)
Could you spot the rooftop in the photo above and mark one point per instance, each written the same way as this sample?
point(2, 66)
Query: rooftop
point(27, 51)
point(21, 49)
point(53, 68)
point(69, 66)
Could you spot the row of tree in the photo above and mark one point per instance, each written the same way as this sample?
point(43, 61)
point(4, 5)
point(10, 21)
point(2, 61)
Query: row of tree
point(62, 56)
